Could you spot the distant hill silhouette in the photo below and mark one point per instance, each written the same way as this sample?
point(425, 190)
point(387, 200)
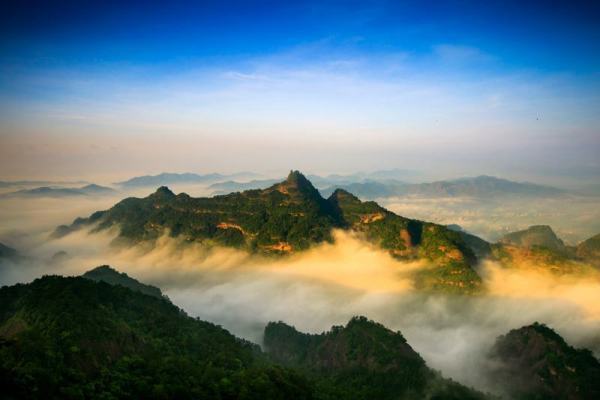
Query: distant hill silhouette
point(167, 178)
point(105, 273)
point(481, 187)
point(58, 192)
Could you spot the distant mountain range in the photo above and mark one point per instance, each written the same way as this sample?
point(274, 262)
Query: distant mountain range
point(372, 185)
point(233, 186)
point(372, 188)
point(57, 192)
point(222, 183)
point(73, 337)
point(481, 186)
point(395, 174)
point(9, 184)
point(184, 178)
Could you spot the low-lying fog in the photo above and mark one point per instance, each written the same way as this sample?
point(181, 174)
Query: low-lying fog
point(313, 290)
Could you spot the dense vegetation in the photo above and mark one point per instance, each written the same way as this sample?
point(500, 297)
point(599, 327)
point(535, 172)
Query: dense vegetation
point(73, 338)
point(287, 217)
point(362, 360)
point(539, 364)
point(76, 338)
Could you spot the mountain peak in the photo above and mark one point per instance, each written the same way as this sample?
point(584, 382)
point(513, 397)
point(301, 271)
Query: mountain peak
point(342, 195)
point(362, 343)
point(92, 186)
point(535, 235)
point(541, 228)
point(590, 250)
point(296, 183)
point(163, 192)
point(107, 274)
point(296, 178)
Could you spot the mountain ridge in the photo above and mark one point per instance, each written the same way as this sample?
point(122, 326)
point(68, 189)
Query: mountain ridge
point(482, 186)
point(364, 358)
point(287, 217)
point(59, 192)
point(110, 340)
point(166, 178)
point(72, 338)
point(107, 274)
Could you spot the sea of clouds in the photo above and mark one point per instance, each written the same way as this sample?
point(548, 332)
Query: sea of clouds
point(313, 290)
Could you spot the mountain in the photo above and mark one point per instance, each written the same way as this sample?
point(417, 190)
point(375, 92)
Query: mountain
point(71, 337)
point(96, 189)
point(22, 184)
point(105, 273)
point(483, 186)
point(7, 252)
point(392, 175)
point(535, 236)
point(589, 250)
point(539, 247)
point(592, 189)
point(362, 360)
point(59, 192)
point(480, 187)
point(535, 362)
point(74, 338)
point(172, 178)
point(371, 189)
point(406, 238)
point(168, 179)
point(287, 217)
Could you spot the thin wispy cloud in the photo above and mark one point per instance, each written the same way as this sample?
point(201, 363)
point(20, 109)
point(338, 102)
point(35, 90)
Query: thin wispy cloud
point(381, 74)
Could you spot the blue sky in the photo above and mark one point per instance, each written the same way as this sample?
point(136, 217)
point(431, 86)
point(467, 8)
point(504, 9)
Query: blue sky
point(510, 88)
